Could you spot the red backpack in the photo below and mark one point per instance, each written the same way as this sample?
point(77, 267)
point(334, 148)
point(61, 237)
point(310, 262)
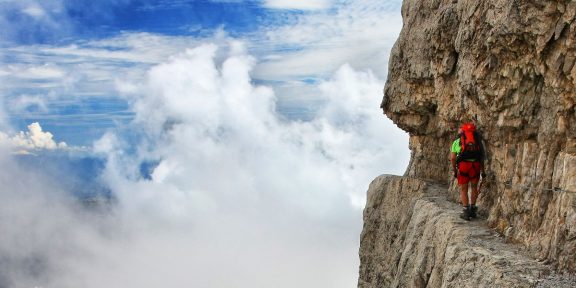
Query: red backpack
point(470, 149)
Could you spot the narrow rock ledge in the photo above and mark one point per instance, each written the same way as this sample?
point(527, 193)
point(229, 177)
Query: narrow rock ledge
point(413, 237)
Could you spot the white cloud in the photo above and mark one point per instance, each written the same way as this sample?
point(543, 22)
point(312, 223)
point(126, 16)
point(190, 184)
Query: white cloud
point(3, 116)
point(89, 68)
point(297, 4)
point(360, 33)
point(25, 18)
point(43, 232)
point(42, 72)
point(33, 139)
point(34, 11)
point(250, 190)
point(238, 188)
point(24, 102)
point(44, 77)
point(273, 203)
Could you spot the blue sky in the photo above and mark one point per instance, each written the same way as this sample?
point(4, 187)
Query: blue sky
point(257, 122)
point(69, 51)
point(66, 21)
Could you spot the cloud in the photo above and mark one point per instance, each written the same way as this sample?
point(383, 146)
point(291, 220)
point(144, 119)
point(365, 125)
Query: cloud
point(25, 103)
point(45, 231)
point(33, 21)
point(34, 72)
point(40, 82)
point(237, 189)
point(316, 44)
point(33, 139)
point(278, 202)
point(294, 55)
point(311, 46)
point(297, 4)
point(34, 11)
point(92, 65)
point(55, 21)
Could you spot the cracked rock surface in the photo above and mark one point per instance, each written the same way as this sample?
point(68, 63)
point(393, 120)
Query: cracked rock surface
point(510, 66)
point(413, 237)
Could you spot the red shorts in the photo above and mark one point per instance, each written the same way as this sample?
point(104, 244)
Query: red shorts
point(468, 172)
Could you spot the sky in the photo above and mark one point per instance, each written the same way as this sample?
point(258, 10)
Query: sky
point(229, 143)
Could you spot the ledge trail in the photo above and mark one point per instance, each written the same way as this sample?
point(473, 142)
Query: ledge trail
point(413, 237)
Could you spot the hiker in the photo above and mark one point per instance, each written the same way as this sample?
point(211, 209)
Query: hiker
point(467, 159)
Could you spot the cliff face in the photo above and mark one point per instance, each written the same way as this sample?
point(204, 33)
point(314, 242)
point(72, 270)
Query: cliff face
point(510, 67)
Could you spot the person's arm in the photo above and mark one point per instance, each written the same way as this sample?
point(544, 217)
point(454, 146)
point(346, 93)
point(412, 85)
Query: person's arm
point(453, 162)
point(454, 150)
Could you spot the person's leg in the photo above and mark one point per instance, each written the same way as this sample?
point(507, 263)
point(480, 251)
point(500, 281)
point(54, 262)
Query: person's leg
point(466, 215)
point(463, 180)
point(473, 197)
point(474, 194)
point(474, 180)
point(464, 194)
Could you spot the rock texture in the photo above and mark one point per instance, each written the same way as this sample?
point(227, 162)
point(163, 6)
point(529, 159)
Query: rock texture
point(510, 67)
point(413, 237)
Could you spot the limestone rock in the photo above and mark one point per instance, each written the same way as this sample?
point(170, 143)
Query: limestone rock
point(413, 237)
point(508, 65)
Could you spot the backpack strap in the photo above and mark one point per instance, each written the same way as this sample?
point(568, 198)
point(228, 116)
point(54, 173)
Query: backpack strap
point(462, 141)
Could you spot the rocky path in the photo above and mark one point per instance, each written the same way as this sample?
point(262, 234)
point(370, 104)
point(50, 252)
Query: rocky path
point(416, 232)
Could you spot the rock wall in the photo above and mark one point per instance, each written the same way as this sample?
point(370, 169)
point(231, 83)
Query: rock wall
point(510, 67)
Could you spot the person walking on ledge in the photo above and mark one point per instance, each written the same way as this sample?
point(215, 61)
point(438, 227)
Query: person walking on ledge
point(467, 159)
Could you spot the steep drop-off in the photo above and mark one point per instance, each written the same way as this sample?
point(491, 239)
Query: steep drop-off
point(510, 67)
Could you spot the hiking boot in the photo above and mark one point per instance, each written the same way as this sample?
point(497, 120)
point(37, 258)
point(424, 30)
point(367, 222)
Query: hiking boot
point(466, 213)
point(473, 210)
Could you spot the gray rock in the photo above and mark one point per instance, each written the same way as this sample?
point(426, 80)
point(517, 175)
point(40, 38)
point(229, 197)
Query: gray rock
point(510, 67)
point(413, 237)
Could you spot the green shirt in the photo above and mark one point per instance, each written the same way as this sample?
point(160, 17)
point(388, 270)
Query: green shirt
point(456, 146)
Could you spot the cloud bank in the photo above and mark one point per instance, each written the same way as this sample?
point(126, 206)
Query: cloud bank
point(239, 197)
point(239, 193)
point(282, 198)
